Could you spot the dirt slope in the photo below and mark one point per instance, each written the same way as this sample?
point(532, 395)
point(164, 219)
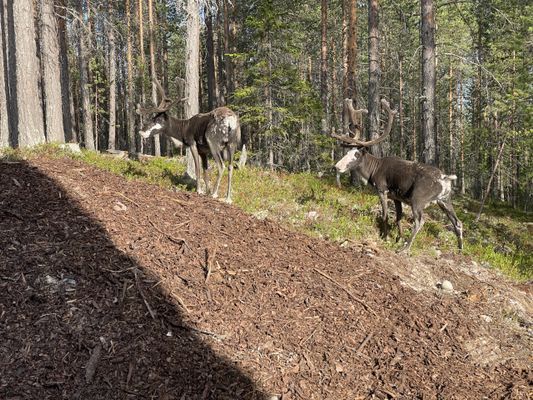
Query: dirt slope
point(112, 289)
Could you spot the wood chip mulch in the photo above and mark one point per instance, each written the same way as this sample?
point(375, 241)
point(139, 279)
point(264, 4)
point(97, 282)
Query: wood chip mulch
point(116, 289)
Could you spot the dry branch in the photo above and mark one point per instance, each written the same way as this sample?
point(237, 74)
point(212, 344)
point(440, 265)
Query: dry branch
point(90, 369)
point(152, 313)
point(347, 291)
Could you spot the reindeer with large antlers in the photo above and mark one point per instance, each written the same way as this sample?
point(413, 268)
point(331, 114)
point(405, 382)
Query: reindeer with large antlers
point(217, 132)
point(403, 181)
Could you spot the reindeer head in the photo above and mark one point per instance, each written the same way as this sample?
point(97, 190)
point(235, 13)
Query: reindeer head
point(154, 125)
point(359, 148)
point(350, 160)
point(159, 120)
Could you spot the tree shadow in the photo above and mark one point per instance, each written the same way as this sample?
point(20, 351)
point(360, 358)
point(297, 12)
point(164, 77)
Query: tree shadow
point(79, 319)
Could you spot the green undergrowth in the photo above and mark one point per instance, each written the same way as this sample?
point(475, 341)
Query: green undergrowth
point(315, 206)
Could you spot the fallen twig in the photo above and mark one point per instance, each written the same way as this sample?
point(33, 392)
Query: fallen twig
point(127, 198)
point(152, 313)
point(209, 263)
point(90, 369)
point(310, 336)
point(197, 330)
point(317, 253)
point(169, 237)
point(366, 306)
point(360, 348)
point(12, 214)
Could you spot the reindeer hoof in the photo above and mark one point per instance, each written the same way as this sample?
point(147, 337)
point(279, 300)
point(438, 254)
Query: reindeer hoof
point(404, 250)
point(214, 195)
point(229, 201)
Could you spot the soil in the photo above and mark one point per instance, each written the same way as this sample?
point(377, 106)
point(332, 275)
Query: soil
point(116, 289)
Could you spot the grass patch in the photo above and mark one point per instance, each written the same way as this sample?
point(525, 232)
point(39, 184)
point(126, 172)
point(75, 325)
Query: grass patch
point(315, 206)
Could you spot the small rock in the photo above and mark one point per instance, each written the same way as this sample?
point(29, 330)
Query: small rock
point(275, 397)
point(261, 214)
point(73, 147)
point(486, 318)
point(446, 286)
point(311, 215)
point(119, 206)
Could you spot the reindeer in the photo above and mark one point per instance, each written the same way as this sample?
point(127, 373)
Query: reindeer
point(412, 183)
point(217, 132)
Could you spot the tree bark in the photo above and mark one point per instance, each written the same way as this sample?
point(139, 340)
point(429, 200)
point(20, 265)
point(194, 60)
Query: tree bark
point(86, 113)
point(400, 104)
point(51, 69)
point(111, 145)
point(324, 66)
point(350, 90)
point(374, 73)
point(212, 89)
point(153, 73)
point(192, 71)
point(427, 33)
point(451, 164)
point(227, 49)
point(4, 114)
point(129, 94)
point(25, 65)
point(68, 117)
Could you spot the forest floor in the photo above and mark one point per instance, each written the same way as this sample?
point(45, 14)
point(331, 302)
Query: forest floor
point(116, 289)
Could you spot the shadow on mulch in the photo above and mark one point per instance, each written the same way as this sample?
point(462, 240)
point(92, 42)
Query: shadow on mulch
point(72, 327)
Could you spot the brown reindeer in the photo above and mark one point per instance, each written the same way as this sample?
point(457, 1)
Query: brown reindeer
point(403, 181)
point(217, 132)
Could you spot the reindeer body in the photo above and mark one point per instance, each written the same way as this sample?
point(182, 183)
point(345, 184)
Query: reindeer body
point(402, 181)
point(217, 133)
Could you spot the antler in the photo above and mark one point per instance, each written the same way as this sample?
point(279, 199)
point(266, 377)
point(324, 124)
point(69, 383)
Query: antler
point(356, 142)
point(353, 117)
point(164, 105)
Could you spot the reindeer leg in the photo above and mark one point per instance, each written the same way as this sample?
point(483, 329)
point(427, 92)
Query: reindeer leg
point(399, 214)
point(195, 156)
point(384, 216)
point(230, 174)
point(418, 223)
point(447, 207)
point(205, 167)
point(220, 165)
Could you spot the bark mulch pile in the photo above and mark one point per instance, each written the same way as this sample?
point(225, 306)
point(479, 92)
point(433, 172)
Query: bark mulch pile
point(111, 289)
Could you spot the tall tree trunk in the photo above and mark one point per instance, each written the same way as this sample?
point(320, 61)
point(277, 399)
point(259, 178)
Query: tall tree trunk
point(212, 89)
point(25, 65)
point(324, 66)
point(350, 88)
point(4, 114)
point(192, 71)
point(269, 106)
point(129, 94)
point(140, 69)
point(111, 145)
point(51, 70)
point(227, 50)
point(86, 113)
point(68, 126)
point(427, 33)
point(461, 136)
point(451, 164)
point(153, 73)
point(333, 101)
point(400, 104)
point(414, 136)
point(374, 72)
